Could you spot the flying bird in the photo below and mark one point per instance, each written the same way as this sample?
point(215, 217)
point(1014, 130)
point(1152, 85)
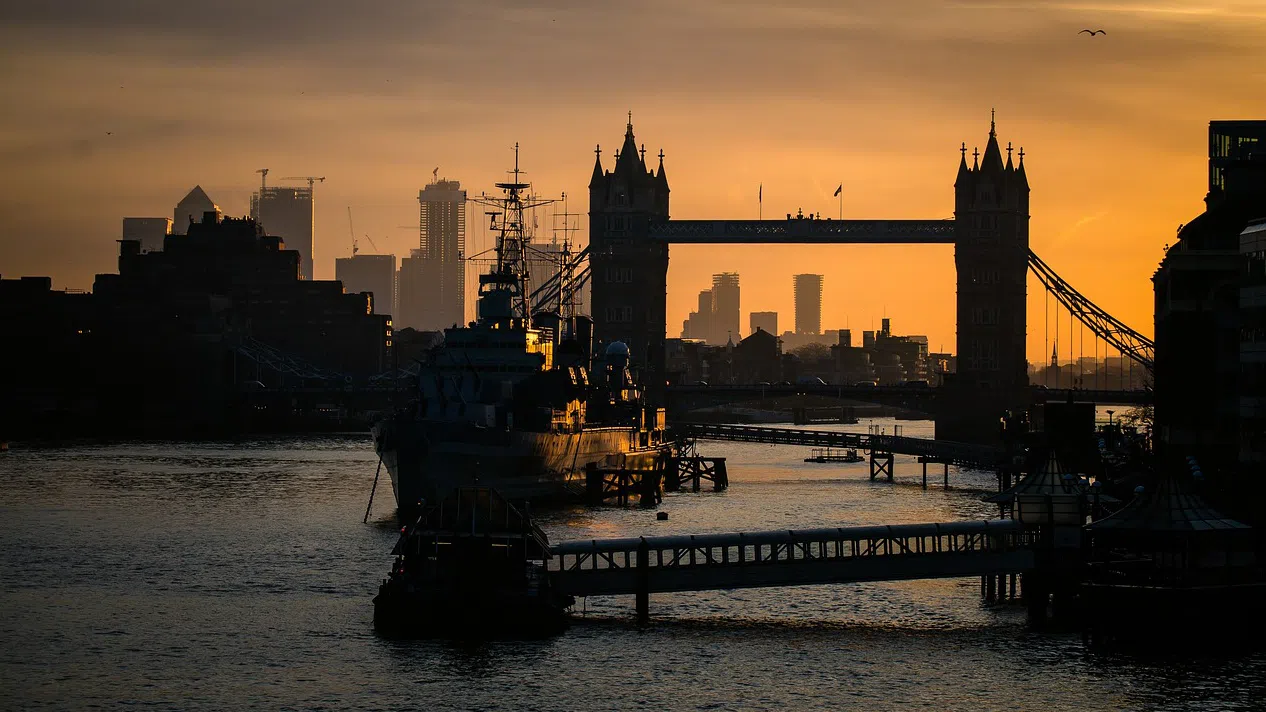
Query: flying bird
point(1092, 33)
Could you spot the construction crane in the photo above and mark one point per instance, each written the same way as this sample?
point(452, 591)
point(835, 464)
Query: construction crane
point(263, 179)
point(311, 179)
point(351, 231)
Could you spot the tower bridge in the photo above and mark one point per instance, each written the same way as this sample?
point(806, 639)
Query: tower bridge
point(630, 232)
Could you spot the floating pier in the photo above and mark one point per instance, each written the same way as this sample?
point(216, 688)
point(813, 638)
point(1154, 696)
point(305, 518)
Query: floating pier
point(644, 565)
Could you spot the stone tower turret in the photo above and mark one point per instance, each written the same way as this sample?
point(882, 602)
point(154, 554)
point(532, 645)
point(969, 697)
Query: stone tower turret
point(629, 281)
point(991, 248)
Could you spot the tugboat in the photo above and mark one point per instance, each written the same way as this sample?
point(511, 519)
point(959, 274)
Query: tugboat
point(470, 567)
point(513, 397)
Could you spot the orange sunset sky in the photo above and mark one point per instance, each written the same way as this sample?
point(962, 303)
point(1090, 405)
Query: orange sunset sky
point(799, 97)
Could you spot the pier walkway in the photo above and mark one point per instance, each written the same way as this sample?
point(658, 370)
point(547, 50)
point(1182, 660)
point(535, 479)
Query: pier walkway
point(983, 457)
point(790, 558)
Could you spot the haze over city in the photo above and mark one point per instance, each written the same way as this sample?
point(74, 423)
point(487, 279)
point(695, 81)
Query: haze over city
point(118, 109)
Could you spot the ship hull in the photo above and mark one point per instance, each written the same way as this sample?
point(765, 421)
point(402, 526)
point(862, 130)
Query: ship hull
point(426, 459)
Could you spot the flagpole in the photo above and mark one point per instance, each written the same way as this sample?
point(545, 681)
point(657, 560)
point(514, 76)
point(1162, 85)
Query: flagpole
point(841, 192)
point(760, 202)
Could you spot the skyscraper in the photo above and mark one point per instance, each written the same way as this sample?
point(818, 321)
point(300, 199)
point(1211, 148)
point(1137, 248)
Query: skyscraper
point(808, 293)
point(432, 284)
point(288, 213)
point(150, 232)
point(765, 321)
point(725, 307)
point(698, 324)
point(369, 273)
point(190, 209)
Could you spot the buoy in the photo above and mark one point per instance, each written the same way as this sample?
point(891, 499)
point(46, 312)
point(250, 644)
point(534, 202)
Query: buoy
point(661, 516)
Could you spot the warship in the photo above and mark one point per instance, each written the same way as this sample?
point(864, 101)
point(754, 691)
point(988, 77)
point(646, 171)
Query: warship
point(521, 399)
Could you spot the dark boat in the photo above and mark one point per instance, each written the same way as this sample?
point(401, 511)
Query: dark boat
point(472, 566)
point(517, 400)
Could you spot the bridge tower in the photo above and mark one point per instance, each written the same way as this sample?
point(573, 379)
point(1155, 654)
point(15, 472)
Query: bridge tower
point(629, 271)
point(991, 247)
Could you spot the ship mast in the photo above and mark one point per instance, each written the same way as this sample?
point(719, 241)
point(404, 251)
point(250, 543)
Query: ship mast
point(511, 274)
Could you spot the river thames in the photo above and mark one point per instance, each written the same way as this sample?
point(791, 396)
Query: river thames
point(239, 575)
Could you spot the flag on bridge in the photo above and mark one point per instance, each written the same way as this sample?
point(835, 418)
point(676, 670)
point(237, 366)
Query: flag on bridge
point(837, 190)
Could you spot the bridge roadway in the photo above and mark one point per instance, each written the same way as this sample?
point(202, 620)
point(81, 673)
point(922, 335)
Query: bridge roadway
point(687, 562)
point(920, 394)
point(804, 231)
point(986, 457)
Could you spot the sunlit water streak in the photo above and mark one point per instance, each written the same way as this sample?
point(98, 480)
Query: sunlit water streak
point(233, 575)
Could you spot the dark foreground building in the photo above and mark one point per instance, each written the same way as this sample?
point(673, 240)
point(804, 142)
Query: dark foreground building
point(171, 344)
point(1200, 327)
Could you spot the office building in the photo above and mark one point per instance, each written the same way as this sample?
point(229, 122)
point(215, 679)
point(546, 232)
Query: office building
point(373, 274)
point(808, 295)
point(191, 208)
point(698, 324)
point(725, 308)
point(149, 232)
point(764, 321)
point(716, 320)
point(432, 280)
point(288, 213)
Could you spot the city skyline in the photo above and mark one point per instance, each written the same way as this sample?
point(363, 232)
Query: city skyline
point(1103, 233)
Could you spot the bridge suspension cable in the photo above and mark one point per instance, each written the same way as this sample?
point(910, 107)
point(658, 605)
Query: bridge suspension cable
point(1130, 343)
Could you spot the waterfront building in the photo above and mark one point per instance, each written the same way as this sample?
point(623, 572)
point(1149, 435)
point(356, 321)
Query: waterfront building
point(224, 280)
point(808, 298)
point(1252, 386)
point(288, 213)
point(1198, 287)
point(150, 232)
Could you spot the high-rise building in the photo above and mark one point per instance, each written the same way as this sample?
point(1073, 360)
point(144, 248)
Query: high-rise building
point(725, 307)
point(191, 208)
point(287, 213)
point(808, 293)
point(435, 274)
point(375, 274)
point(699, 324)
point(150, 232)
point(765, 321)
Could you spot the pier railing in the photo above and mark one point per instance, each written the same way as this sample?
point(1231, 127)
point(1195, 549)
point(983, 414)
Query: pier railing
point(790, 557)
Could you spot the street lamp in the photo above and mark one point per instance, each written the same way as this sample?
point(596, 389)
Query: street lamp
point(1110, 412)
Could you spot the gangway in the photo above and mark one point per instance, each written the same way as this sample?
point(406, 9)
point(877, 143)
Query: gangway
point(701, 562)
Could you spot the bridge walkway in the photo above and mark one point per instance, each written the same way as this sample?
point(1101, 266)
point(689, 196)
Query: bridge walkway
point(660, 564)
point(954, 453)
